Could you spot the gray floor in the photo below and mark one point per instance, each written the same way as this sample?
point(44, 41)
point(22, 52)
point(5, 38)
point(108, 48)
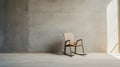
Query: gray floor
point(53, 60)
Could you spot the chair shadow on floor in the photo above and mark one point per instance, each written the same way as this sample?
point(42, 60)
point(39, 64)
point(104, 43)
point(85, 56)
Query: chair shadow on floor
point(55, 47)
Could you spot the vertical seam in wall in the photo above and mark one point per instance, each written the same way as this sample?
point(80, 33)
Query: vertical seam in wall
point(4, 28)
point(2, 23)
point(28, 15)
point(118, 25)
point(27, 11)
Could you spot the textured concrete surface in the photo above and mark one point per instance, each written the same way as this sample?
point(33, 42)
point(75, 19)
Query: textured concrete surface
point(49, 19)
point(16, 26)
point(38, 25)
point(1, 22)
point(52, 60)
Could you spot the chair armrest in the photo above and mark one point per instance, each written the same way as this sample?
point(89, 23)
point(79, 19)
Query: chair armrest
point(67, 41)
point(79, 40)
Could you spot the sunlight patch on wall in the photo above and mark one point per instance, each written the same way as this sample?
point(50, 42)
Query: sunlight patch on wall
point(112, 27)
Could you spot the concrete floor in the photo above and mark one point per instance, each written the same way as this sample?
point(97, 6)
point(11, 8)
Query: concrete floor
point(53, 60)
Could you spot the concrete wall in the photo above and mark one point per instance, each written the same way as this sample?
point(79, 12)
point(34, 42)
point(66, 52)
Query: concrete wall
point(119, 24)
point(16, 26)
point(1, 23)
point(38, 25)
point(49, 19)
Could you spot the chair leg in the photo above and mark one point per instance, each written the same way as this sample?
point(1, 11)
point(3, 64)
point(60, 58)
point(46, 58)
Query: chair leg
point(83, 52)
point(83, 48)
point(64, 49)
point(70, 51)
point(75, 49)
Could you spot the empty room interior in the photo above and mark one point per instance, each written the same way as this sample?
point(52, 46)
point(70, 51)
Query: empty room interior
point(59, 33)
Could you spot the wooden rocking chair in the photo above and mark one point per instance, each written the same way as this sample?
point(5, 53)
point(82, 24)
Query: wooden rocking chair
point(71, 42)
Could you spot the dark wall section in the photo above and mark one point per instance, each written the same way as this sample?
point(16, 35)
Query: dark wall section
point(16, 26)
point(1, 22)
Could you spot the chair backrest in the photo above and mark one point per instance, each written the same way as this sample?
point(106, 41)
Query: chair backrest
point(69, 36)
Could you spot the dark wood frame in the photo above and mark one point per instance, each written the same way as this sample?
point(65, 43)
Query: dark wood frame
point(75, 47)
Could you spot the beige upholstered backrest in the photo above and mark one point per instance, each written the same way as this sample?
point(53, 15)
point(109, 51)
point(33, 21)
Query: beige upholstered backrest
point(69, 36)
